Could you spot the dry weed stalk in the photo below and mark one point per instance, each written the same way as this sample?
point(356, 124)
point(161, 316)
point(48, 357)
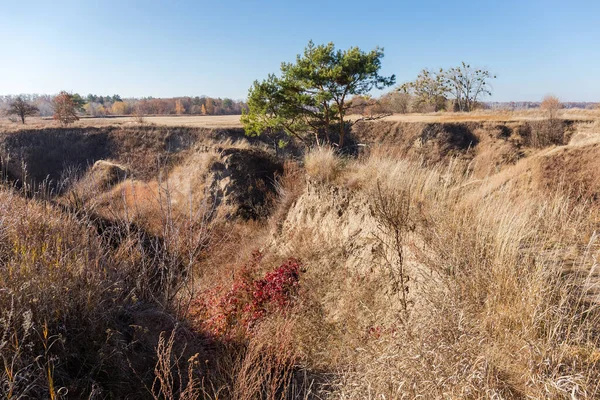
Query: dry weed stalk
point(169, 381)
point(391, 210)
point(264, 369)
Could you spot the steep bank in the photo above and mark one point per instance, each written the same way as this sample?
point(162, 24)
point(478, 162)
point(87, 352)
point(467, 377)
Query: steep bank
point(486, 147)
point(51, 154)
point(484, 277)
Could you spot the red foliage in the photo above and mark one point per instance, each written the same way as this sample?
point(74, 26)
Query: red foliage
point(248, 301)
point(378, 331)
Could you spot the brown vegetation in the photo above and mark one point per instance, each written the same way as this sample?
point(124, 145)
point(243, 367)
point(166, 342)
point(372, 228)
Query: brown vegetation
point(550, 105)
point(65, 109)
point(455, 260)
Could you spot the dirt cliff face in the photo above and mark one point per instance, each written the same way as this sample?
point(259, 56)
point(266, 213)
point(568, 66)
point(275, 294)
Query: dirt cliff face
point(47, 154)
point(339, 227)
point(432, 141)
point(244, 180)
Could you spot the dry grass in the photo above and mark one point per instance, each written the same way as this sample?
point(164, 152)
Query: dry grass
point(419, 281)
point(196, 121)
point(490, 115)
point(64, 297)
point(586, 133)
point(233, 121)
point(322, 164)
point(492, 312)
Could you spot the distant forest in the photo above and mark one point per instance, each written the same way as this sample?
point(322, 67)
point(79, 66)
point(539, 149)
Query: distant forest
point(526, 105)
point(101, 106)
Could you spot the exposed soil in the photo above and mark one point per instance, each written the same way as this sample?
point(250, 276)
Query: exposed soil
point(39, 155)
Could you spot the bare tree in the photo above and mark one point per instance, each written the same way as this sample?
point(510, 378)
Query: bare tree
point(22, 109)
point(396, 102)
point(468, 85)
point(138, 114)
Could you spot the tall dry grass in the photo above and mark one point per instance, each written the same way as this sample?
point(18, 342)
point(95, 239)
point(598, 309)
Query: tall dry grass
point(322, 164)
point(83, 297)
point(469, 292)
point(504, 314)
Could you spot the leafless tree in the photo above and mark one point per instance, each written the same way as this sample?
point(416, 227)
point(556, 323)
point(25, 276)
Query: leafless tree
point(138, 114)
point(396, 102)
point(467, 85)
point(429, 90)
point(22, 109)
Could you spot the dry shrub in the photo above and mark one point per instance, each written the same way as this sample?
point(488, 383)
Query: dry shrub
point(543, 133)
point(64, 296)
point(138, 116)
point(323, 165)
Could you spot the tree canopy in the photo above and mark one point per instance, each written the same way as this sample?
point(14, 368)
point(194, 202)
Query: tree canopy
point(22, 109)
point(65, 107)
point(464, 84)
point(468, 84)
point(429, 90)
point(312, 96)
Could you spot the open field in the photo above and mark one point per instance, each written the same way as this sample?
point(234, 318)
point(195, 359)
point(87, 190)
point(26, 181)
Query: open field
point(233, 121)
point(198, 121)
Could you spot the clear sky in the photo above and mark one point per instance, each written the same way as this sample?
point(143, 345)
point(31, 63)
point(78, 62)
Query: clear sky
point(218, 48)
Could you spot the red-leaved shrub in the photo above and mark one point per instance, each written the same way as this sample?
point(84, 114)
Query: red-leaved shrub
point(229, 313)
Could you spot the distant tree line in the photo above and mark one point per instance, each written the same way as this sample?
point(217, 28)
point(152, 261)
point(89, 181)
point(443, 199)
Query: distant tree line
point(99, 106)
point(114, 105)
point(531, 105)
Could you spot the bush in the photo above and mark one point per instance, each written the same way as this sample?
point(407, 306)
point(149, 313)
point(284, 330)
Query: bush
point(543, 133)
point(233, 313)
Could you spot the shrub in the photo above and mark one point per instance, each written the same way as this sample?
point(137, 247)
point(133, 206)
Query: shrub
point(235, 312)
point(543, 133)
point(550, 105)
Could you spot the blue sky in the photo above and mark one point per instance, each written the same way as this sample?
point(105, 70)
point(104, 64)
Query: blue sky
point(218, 48)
